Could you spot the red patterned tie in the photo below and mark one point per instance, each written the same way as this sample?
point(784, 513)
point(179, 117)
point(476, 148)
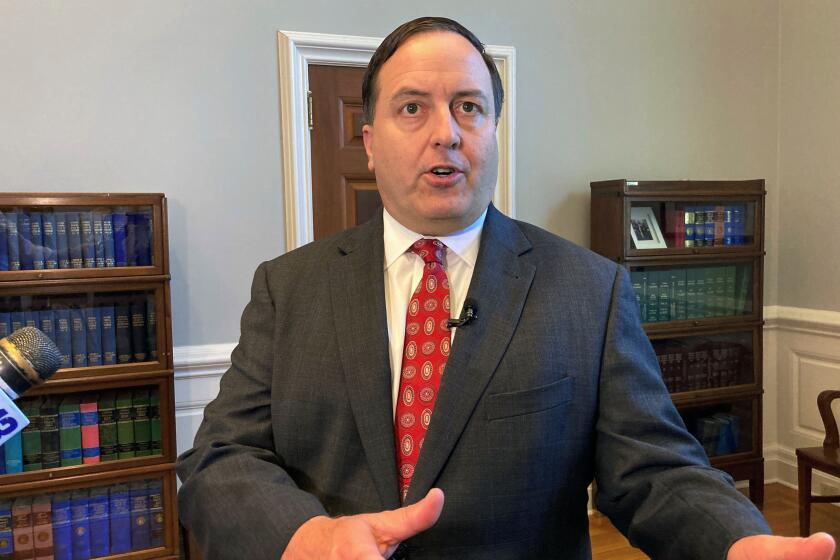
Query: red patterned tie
point(426, 349)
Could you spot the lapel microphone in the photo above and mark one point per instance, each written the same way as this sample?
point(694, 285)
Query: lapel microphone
point(468, 314)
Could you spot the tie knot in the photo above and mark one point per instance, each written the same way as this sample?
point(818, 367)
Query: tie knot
point(430, 250)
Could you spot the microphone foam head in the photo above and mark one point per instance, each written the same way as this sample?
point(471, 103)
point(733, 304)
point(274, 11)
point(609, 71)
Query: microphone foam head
point(38, 350)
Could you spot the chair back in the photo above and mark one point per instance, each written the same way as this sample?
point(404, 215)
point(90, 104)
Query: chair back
point(824, 404)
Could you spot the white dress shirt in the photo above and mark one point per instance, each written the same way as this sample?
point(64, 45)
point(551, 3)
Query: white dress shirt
point(404, 269)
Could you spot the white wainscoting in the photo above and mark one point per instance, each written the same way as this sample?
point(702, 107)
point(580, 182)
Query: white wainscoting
point(801, 358)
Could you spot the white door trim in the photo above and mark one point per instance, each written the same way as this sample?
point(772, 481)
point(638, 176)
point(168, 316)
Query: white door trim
point(297, 51)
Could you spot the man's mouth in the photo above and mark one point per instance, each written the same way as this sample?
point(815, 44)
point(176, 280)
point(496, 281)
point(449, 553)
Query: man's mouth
point(443, 171)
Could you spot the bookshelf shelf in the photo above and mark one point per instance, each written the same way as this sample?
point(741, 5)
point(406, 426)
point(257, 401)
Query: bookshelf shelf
point(695, 254)
point(92, 271)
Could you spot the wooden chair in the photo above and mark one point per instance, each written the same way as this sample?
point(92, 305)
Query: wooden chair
point(825, 458)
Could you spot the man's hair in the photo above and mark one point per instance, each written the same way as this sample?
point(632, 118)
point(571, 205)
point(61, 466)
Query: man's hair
point(423, 25)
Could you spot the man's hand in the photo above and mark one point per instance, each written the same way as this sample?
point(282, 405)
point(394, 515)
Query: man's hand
point(819, 546)
point(367, 536)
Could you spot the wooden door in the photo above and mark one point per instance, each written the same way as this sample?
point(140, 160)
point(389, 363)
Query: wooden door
point(344, 192)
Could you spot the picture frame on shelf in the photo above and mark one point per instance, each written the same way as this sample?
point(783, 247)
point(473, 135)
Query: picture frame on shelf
point(644, 229)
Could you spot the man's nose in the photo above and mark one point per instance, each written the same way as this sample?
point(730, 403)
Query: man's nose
point(445, 130)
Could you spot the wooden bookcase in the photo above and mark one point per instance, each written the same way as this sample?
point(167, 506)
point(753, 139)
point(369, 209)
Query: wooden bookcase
point(700, 299)
point(137, 281)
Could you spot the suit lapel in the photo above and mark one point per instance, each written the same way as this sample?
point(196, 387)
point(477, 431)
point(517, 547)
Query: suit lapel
point(358, 299)
point(499, 286)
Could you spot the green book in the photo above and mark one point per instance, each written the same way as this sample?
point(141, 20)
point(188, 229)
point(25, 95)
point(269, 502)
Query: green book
point(700, 283)
point(720, 291)
point(709, 273)
point(125, 425)
point(743, 281)
point(638, 279)
point(50, 439)
point(652, 296)
point(154, 421)
point(70, 431)
point(31, 435)
point(664, 295)
point(142, 424)
point(107, 426)
point(680, 301)
point(691, 293)
point(729, 289)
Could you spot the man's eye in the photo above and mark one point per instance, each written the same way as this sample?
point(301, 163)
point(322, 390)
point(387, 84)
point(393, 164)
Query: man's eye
point(411, 108)
point(469, 107)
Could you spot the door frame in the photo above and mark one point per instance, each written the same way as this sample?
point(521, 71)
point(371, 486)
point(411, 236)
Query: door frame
point(296, 51)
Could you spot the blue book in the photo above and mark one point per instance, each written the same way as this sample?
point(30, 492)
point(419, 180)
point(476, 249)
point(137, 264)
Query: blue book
point(13, 450)
point(143, 238)
point(119, 221)
point(13, 240)
point(100, 531)
point(46, 322)
point(18, 319)
point(78, 332)
point(139, 335)
point(131, 238)
point(109, 335)
point(120, 518)
point(140, 534)
point(156, 515)
point(50, 241)
point(80, 524)
point(108, 239)
point(94, 336)
point(151, 328)
point(60, 219)
point(4, 244)
point(37, 237)
point(122, 322)
point(5, 324)
point(74, 239)
point(25, 240)
point(63, 336)
point(6, 535)
point(98, 239)
point(30, 318)
point(62, 533)
point(88, 242)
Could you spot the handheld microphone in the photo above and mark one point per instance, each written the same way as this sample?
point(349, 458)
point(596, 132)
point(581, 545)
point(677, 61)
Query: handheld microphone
point(468, 314)
point(27, 358)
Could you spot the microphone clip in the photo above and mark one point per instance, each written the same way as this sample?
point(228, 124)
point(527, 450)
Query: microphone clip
point(468, 315)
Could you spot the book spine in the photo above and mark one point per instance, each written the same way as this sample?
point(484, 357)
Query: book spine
point(142, 426)
point(74, 239)
point(80, 524)
point(107, 427)
point(151, 328)
point(94, 336)
point(62, 538)
point(109, 337)
point(142, 238)
point(88, 242)
point(154, 421)
point(5, 324)
point(138, 328)
point(119, 220)
point(63, 336)
point(13, 240)
point(22, 529)
point(61, 240)
point(4, 243)
point(30, 318)
point(50, 436)
point(120, 518)
point(43, 528)
point(89, 415)
point(98, 510)
point(665, 290)
point(6, 535)
point(680, 297)
point(25, 239)
point(131, 238)
point(729, 289)
point(652, 292)
point(36, 226)
point(31, 446)
point(108, 239)
point(98, 239)
point(728, 227)
point(78, 331)
point(46, 322)
point(125, 426)
point(122, 316)
point(18, 319)
point(140, 534)
point(70, 432)
point(156, 513)
point(50, 241)
point(13, 451)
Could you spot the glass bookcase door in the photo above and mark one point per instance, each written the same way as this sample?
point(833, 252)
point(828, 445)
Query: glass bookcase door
point(707, 361)
point(75, 237)
point(694, 292)
point(90, 329)
point(691, 224)
point(723, 429)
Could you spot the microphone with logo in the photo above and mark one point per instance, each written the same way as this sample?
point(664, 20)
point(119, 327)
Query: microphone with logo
point(27, 358)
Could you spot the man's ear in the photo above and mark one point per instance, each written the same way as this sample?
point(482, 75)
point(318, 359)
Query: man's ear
point(367, 138)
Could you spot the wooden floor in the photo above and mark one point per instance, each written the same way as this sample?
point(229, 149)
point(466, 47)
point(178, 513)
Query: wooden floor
point(780, 509)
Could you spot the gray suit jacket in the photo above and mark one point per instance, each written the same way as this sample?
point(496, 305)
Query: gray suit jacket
point(553, 385)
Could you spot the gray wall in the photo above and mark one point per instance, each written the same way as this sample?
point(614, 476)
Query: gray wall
point(809, 155)
point(182, 98)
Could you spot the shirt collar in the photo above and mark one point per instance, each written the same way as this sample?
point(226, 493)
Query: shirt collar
point(463, 243)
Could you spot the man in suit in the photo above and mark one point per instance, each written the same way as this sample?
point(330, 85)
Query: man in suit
point(352, 405)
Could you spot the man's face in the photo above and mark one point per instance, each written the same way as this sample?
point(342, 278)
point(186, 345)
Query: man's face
point(433, 144)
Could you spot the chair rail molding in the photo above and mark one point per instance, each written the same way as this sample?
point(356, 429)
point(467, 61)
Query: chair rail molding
point(296, 51)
